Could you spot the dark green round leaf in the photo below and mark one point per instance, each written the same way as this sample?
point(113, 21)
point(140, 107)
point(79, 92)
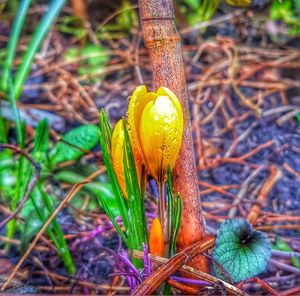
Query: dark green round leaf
point(81, 138)
point(240, 250)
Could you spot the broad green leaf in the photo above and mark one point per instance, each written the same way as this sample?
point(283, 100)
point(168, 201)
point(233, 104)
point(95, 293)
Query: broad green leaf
point(240, 250)
point(128, 17)
point(73, 26)
point(97, 188)
point(75, 143)
point(91, 58)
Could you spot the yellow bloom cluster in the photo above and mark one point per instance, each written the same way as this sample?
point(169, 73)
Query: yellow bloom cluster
point(155, 126)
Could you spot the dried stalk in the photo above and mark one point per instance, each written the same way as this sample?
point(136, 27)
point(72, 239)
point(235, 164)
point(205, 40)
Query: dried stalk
point(275, 175)
point(163, 44)
point(178, 260)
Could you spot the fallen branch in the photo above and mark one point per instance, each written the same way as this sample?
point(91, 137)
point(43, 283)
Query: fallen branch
point(168, 267)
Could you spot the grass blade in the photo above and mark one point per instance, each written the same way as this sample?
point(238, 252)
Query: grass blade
point(105, 139)
point(33, 47)
point(12, 43)
point(176, 224)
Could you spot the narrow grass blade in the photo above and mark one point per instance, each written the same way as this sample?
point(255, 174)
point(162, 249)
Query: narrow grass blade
point(105, 139)
point(33, 47)
point(114, 221)
point(171, 209)
point(12, 43)
point(61, 244)
point(176, 224)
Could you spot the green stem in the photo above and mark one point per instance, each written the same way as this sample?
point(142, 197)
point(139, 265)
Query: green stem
point(163, 215)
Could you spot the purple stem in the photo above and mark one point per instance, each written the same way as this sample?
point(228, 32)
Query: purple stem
point(124, 257)
point(284, 254)
point(147, 263)
point(93, 233)
point(189, 281)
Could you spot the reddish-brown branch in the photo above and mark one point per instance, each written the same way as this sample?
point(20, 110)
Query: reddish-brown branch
point(163, 273)
point(168, 267)
point(163, 43)
point(265, 190)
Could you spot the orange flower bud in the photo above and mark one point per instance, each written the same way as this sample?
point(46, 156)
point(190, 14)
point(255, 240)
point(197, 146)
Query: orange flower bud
point(156, 238)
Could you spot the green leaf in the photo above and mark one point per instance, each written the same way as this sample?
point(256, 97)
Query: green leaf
point(72, 25)
point(281, 245)
point(41, 138)
point(194, 4)
point(128, 17)
point(298, 118)
point(240, 250)
point(75, 143)
point(32, 225)
point(97, 188)
point(41, 143)
point(176, 224)
point(37, 38)
point(105, 141)
point(91, 58)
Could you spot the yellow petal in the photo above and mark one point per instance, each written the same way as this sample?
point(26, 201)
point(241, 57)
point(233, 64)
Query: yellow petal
point(117, 150)
point(137, 103)
point(117, 144)
point(164, 91)
point(160, 134)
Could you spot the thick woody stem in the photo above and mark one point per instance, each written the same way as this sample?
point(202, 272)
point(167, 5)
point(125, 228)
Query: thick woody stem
point(163, 44)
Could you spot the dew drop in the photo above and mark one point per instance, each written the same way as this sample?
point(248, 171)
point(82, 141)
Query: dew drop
point(163, 148)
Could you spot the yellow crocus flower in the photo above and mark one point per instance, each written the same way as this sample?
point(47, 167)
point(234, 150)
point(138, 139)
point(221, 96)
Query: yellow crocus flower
point(155, 125)
point(117, 152)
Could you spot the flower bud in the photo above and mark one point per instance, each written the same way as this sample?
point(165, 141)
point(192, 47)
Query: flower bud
point(156, 238)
